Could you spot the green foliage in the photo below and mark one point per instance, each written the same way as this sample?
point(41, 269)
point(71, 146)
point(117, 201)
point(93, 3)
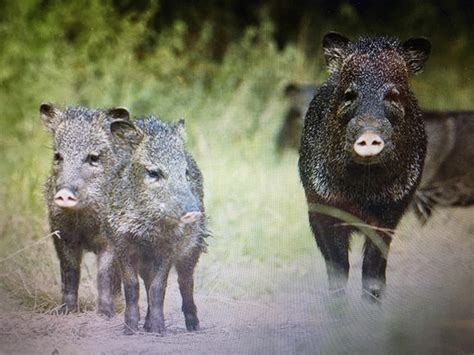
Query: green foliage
point(89, 53)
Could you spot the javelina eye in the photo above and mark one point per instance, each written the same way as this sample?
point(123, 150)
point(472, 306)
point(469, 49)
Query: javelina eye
point(188, 176)
point(393, 95)
point(93, 159)
point(349, 96)
point(156, 174)
point(57, 157)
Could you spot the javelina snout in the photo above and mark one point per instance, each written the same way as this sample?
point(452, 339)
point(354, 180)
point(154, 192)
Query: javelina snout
point(367, 140)
point(192, 213)
point(66, 197)
point(368, 144)
point(191, 217)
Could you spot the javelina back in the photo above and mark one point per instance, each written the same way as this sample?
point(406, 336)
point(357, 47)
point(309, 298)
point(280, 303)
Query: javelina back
point(362, 150)
point(157, 218)
point(83, 156)
point(448, 175)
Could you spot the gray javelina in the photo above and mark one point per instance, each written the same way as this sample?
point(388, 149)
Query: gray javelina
point(362, 150)
point(157, 219)
point(83, 157)
point(448, 175)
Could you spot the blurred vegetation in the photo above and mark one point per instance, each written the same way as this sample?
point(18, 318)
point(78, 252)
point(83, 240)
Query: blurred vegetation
point(223, 66)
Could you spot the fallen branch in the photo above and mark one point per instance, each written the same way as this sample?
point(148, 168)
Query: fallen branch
point(39, 241)
point(367, 230)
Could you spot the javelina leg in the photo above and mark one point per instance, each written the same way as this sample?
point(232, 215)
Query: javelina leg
point(156, 295)
point(70, 262)
point(333, 241)
point(147, 274)
point(373, 269)
point(185, 269)
point(116, 280)
point(105, 276)
point(131, 291)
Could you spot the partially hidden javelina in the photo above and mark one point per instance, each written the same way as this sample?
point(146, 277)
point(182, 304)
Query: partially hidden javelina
point(362, 151)
point(299, 97)
point(448, 174)
point(82, 159)
point(156, 218)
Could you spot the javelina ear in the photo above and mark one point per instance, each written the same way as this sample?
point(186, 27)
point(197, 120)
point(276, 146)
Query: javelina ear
point(292, 89)
point(125, 133)
point(416, 51)
point(334, 47)
point(50, 115)
point(179, 128)
point(118, 113)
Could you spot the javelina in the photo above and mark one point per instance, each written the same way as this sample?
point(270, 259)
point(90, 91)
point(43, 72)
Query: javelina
point(157, 218)
point(299, 96)
point(362, 150)
point(448, 175)
point(83, 156)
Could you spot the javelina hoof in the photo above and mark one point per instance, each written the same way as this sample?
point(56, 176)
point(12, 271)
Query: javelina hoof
point(131, 322)
point(106, 311)
point(67, 308)
point(373, 296)
point(192, 322)
point(154, 327)
point(128, 330)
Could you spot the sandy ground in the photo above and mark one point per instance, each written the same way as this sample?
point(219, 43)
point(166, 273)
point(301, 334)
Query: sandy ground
point(429, 308)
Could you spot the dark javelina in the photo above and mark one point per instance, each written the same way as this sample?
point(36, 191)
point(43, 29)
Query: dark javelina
point(362, 150)
point(82, 156)
point(157, 218)
point(448, 175)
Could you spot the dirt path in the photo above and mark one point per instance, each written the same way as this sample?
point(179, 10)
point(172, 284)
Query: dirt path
point(429, 308)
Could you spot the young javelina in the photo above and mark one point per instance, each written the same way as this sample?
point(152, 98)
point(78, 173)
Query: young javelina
point(157, 218)
point(83, 157)
point(448, 174)
point(362, 150)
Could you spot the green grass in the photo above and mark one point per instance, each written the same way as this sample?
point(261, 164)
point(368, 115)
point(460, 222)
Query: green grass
point(233, 108)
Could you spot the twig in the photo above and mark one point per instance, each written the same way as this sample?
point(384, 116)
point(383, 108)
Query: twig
point(39, 241)
point(387, 231)
point(353, 220)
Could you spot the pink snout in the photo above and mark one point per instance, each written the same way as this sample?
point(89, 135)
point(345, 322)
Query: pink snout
point(191, 217)
point(65, 198)
point(368, 144)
